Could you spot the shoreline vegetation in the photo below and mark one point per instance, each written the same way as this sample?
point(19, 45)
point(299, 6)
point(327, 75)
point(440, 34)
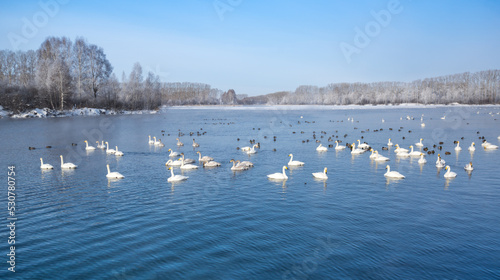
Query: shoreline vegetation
point(49, 113)
point(62, 74)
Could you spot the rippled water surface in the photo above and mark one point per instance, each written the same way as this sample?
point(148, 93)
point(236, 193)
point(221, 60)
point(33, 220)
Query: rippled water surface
point(221, 224)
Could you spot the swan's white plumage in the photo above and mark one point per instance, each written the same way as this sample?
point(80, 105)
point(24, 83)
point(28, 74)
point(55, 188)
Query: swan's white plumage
point(278, 175)
point(114, 175)
point(67, 165)
point(393, 174)
point(45, 165)
point(321, 175)
point(87, 147)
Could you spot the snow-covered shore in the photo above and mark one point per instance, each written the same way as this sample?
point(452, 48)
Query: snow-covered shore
point(47, 113)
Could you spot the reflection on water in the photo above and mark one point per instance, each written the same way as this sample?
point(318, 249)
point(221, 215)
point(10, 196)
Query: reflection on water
point(220, 222)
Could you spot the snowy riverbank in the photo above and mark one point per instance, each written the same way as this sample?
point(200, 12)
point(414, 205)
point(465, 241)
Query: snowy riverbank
point(47, 113)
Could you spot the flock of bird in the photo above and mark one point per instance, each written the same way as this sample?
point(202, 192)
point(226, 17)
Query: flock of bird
point(206, 161)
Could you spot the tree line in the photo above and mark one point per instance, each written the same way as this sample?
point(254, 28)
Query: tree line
point(465, 88)
point(62, 74)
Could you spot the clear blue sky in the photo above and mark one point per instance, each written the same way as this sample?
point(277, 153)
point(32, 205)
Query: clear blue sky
point(258, 47)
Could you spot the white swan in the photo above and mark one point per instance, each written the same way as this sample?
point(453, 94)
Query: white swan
point(159, 143)
point(422, 160)
point(321, 148)
point(100, 146)
point(422, 124)
point(45, 165)
point(195, 144)
point(173, 154)
point(278, 175)
point(187, 160)
point(179, 143)
point(252, 150)
point(363, 146)
point(237, 167)
point(380, 157)
point(150, 140)
point(414, 153)
point(356, 151)
point(339, 147)
point(173, 163)
point(88, 148)
point(489, 146)
point(114, 175)
point(67, 165)
point(245, 149)
point(469, 167)
point(211, 164)
point(187, 166)
point(472, 147)
point(399, 149)
point(458, 148)
point(245, 163)
point(393, 174)
point(205, 158)
point(320, 175)
point(440, 162)
point(118, 153)
point(374, 155)
point(108, 150)
point(294, 162)
point(176, 178)
point(448, 173)
point(389, 143)
point(419, 144)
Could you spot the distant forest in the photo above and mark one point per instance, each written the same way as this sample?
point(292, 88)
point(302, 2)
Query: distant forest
point(62, 74)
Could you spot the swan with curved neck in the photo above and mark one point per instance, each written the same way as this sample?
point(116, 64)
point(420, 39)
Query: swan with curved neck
point(393, 174)
point(195, 144)
point(150, 140)
point(45, 165)
point(320, 175)
point(380, 157)
point(237, 166)
point(279, 176)
point(114, 175)
point(179, 143)
point(176, 178)
point(337, 147)
point(87, 147)
point(321, 148)
point(294, 162)
point(108, 150)
point(419, 144)
point(448, 173)
point(67, 165)
point(472, 147)
point(118, 153)
point(422, 160)
point(204, 158)
point(389, 143)
point(458, 148)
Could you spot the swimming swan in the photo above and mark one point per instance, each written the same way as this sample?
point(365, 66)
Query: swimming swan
point(469, 167)
point(118, 153)
point(237, 167)
point(67, 165)
point(114, 175)
point(472, 147)
point(458, 148)
point(88, 148)
point(175, 178)
point(339, 147)
point(205, 158)
point(321, 148)
point(448, 173)
point(108, 150)
point(278, 176)
point(173, 154)
point(150, 140)
point(45, 165)
point(422, 160)
point(179, 143)
point(321, 175)
point(419, 144)
point(187, 166)
point(294, 162)
point(393, 174)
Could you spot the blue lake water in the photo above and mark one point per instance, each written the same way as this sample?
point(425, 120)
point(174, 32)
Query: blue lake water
point(219, 224)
